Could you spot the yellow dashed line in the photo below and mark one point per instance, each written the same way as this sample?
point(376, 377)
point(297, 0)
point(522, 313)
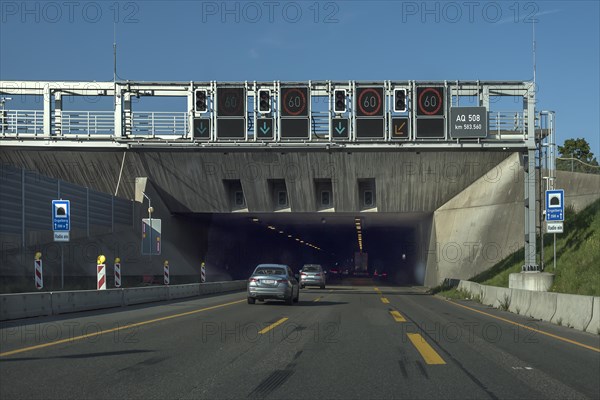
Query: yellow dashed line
point(385, 300)
point(427, 352)
point(268, 328)
point(397, 316)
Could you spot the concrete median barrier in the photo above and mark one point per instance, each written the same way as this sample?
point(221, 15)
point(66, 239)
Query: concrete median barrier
point(84, 300)
point(183, 291)
point(13, 306)
point(23, 305)
point(145, 295)
point(543, 305)
point(573, 310)
point(520, 301)
point(594, 325)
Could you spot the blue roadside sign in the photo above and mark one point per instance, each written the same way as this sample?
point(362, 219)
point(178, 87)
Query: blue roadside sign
point(61, 215)
point(555, 205)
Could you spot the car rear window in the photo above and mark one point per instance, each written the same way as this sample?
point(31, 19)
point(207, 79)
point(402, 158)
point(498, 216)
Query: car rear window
point(311, 268)
point(270, 271)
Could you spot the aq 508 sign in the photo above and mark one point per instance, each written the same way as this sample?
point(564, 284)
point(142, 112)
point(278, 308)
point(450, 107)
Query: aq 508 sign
point(468, 122)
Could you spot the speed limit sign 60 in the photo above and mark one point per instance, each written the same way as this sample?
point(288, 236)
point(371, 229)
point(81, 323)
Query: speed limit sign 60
point(430, 101)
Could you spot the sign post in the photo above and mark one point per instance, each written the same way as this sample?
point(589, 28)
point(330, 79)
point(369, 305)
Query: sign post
point(61, 225)
point(555, 214)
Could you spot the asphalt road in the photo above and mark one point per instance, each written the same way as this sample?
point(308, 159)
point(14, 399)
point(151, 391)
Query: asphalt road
point(344, 342)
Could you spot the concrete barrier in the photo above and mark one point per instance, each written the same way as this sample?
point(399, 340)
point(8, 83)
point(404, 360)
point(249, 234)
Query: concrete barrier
point(145, 295)
point(183, 291)
point(594, 325)
point(84, 300)
point(543, 305)
point(489, 295)
point(24, 305)
point(573, 310)
point(520, 301)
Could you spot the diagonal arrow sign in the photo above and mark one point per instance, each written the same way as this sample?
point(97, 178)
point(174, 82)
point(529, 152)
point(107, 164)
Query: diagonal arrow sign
point(399, 128)
point(340, 129)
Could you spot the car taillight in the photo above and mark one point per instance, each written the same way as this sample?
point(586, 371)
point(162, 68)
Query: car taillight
point(317, 274)
point(384, 274)
point(252, 280)
point(302, 274)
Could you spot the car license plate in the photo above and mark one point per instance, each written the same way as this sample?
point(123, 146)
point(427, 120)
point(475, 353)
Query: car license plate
point(268, 281)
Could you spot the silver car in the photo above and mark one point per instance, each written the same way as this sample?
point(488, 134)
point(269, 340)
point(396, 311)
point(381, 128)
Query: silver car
point(273, 281)
point(312, 275)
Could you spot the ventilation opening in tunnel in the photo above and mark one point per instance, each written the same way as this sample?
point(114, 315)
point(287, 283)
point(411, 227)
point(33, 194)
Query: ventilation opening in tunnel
point(394, 246)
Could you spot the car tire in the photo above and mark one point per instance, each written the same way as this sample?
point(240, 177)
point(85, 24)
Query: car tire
point(251, 300)
point(297, 298)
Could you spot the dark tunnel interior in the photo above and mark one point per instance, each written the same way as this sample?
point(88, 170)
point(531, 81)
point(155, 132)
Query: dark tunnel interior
point(394, 243)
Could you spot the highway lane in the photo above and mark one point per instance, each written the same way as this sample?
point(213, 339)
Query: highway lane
point(343, 342)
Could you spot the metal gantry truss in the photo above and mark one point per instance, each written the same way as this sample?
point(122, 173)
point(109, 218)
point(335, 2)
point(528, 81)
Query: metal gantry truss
point(122, 125)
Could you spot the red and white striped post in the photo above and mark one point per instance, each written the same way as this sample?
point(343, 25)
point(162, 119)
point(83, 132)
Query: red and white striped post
point(203, 273)
point(101, 273)
point(166, 271)
point(39, 276)
point(117, 272)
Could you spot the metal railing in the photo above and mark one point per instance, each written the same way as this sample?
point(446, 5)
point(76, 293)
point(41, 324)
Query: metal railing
point(21, 122)
point(86, 123)
point(507, 125)
point(502, 125)
point(159, 124)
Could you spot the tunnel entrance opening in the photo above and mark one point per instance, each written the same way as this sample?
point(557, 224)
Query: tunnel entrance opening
point(395, 244)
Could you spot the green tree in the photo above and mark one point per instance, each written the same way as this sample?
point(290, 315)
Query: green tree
point(575, 155)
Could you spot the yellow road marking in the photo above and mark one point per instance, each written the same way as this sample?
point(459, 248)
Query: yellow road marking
point(120, 328)
point(529, 328)
point(268, 328)
point(317, 299)
point(385, 300)
point(397, 316)
point(376, 289)
point(330, 290)
point(427, 352)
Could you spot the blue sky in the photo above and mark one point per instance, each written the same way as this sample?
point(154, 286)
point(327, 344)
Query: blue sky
point(302, 40)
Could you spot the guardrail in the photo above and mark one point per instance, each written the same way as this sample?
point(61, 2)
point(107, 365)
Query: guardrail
point(21, 122)
point(86, 123)
point(502, 126)
point(158, 124)
point(23, 305)
point(576, 311)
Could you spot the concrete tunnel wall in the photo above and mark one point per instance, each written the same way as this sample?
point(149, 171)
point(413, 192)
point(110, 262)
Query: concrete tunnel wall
point(484, 223)
point(465, 192)
point(193, 181)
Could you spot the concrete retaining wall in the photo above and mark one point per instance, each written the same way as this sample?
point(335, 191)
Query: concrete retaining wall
point(579, 312)
point(23, 305)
